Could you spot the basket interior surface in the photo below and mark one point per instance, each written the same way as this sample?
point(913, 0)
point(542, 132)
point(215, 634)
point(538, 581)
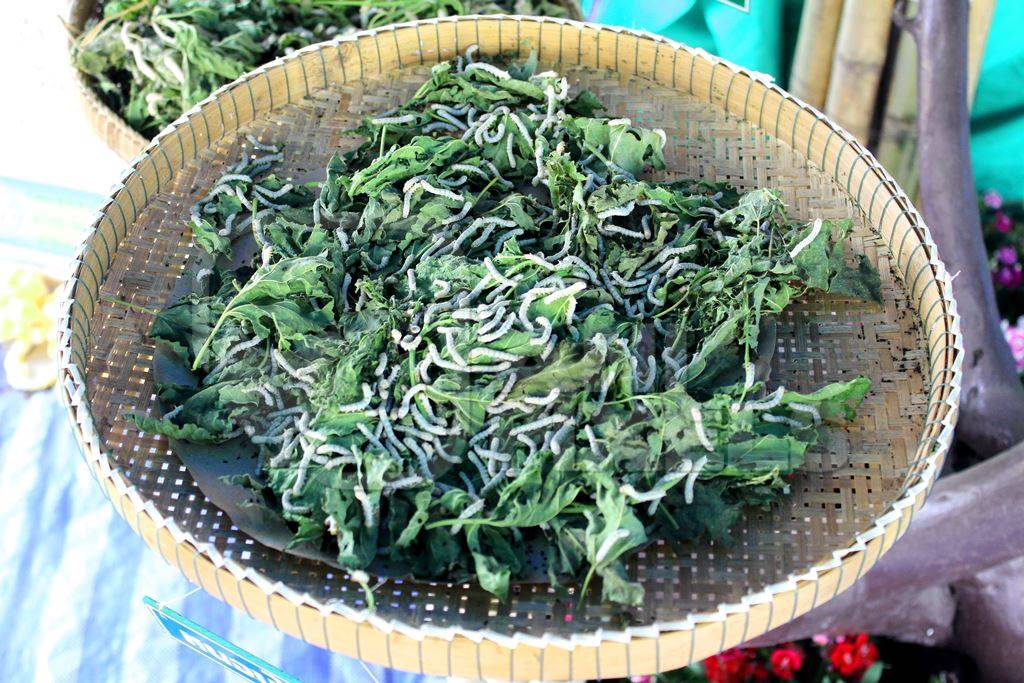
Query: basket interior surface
point(848, 482)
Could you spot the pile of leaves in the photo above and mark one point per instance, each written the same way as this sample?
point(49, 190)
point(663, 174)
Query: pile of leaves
point(151, 60)
point(486, 339)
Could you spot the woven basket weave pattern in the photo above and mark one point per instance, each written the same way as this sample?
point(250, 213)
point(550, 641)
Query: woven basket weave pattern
point(843, 501)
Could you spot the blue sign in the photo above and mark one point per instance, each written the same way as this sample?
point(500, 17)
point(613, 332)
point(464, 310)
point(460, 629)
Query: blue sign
point(212, 646)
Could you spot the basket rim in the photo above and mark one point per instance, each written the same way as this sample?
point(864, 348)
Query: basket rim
point(884, 529)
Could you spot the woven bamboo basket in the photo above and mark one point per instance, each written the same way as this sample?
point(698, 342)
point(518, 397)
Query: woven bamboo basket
point(850, 504)
point(115, 132)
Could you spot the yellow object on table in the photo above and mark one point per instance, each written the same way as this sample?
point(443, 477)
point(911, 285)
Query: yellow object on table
point(28, 320)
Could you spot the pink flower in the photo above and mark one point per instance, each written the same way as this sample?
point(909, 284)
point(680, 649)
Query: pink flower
point(1009, 277)
point(1015, 338)
point(1003, 222)
point(820, 639)
point(1006, 255)
point(993, 199)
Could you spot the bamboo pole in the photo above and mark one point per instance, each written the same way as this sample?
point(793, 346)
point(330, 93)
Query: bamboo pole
point(857, 65)
point(812, 59)
point(978, 26)
point(897, 141)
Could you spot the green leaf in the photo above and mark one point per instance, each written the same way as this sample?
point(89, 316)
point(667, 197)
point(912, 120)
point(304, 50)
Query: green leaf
point(206, 236)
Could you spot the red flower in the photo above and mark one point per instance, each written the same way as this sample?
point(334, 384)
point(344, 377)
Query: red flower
point(786, 661)
point(760, 673)
point(731, 666)
point(853, 656)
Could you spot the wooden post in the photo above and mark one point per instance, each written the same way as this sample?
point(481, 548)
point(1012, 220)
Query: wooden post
point(816, 42)
point(857, 65)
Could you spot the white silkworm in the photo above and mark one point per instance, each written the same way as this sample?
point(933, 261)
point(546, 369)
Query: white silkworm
point(326, 448)
point(410, 394)
point(288, 506)
point(374, 441)
point(500, 74)
point(466, 168)
point(274, 194)
point(261, 146)
point(538, 424)
point(609, 542)
point(495, 354)
point(358, 405)
point(242, 198)
point(397, 120)
point(508, 151)
point(748, 380)
point(507, 388)
point(549, 347)
point(567, 291)
point(530, 444)
point(772, 400)
point(499, 332)
point(556, 441)
point(528, 299)
point(698, 424)
point(449, 344)
point(522, 128)
point(492, 454)
point(691, 478)
point(476, 315)
point(440, 362)
point(456, 217)
point(623, 210)
point(414, 432)
point(782, 419)
point(639, 282)
point(615, 229)
point(545, 333)
point(655, 301)
point(426, 187)
point(675, 251)
point(421, 458)
point(645, 497)
point(497, 174)
point(173, 413)
point(543, 400)
point(470, 510)
point(286, 366)
point(441, 287)
point(496, 275)
point(806, 408)
point(403, 483)
point(806, 242)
